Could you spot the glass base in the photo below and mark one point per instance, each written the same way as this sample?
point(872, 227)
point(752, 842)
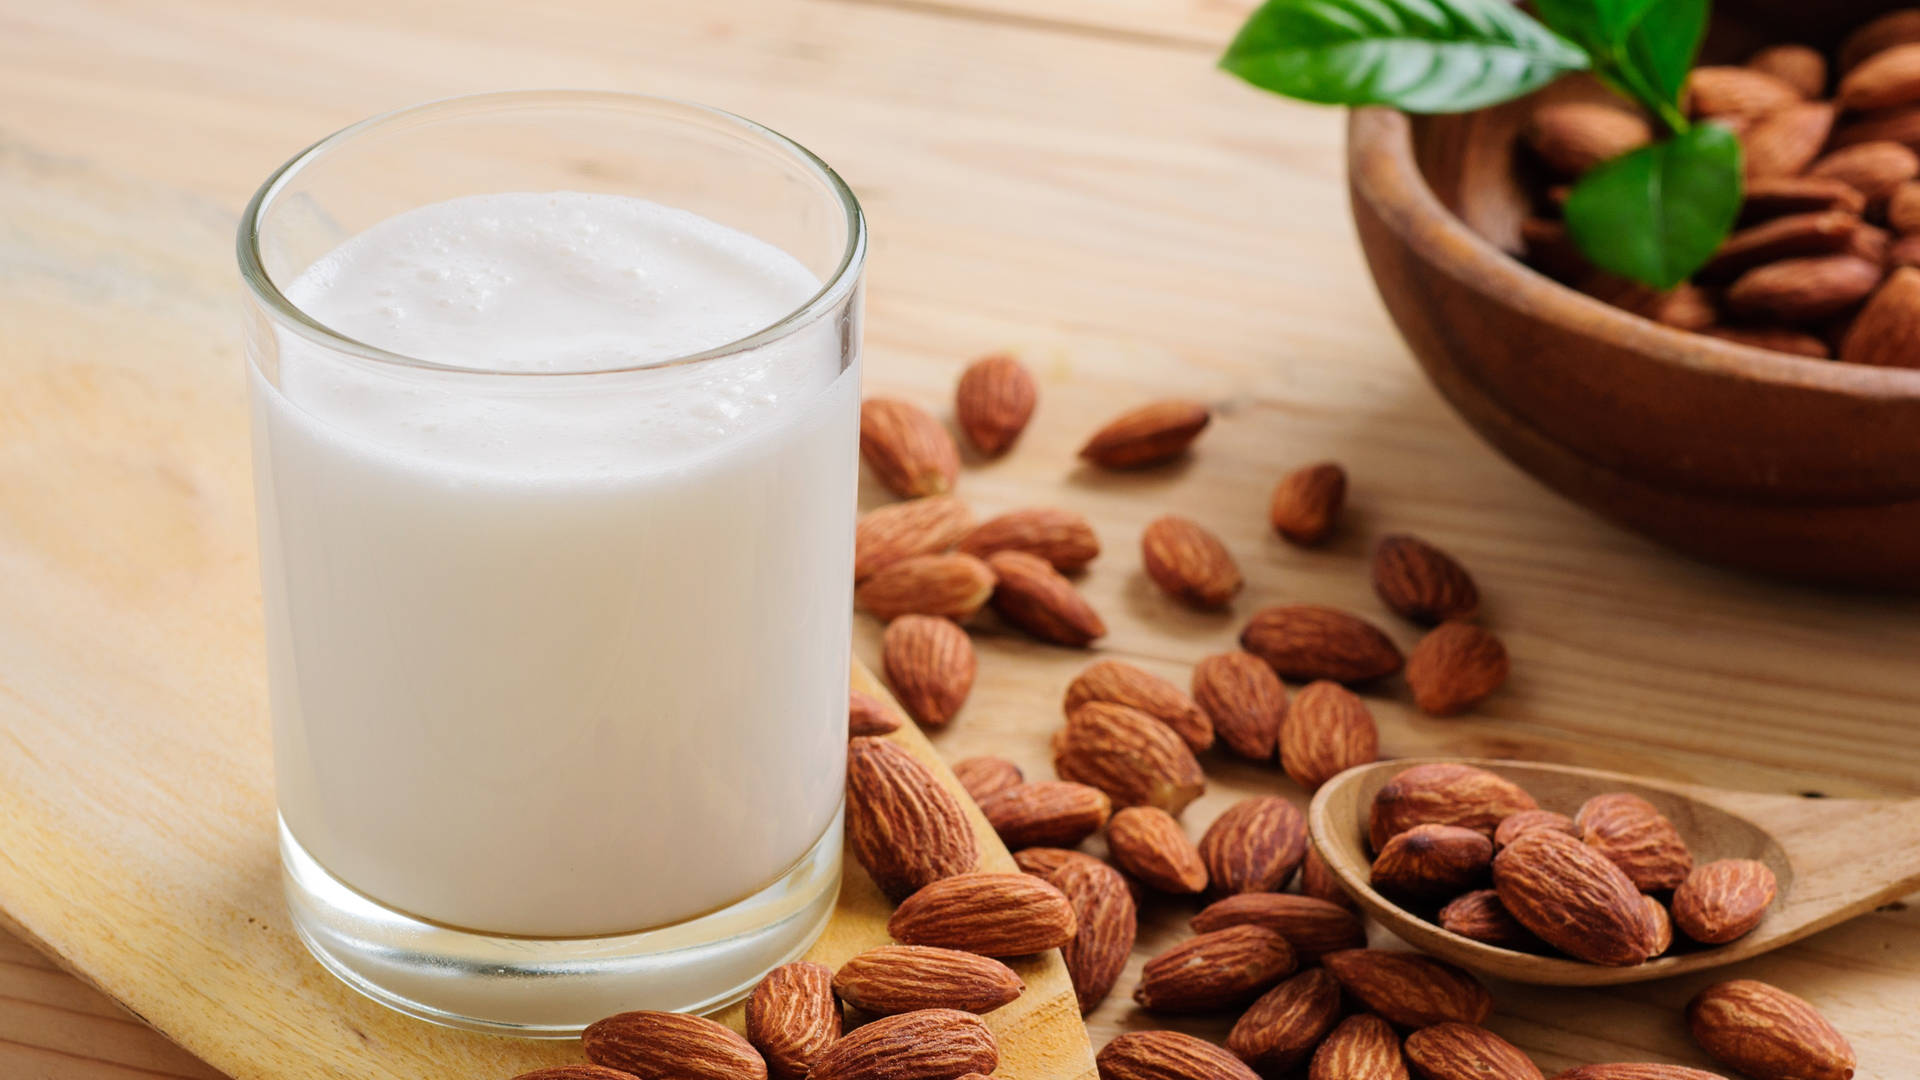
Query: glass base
point(554, 987)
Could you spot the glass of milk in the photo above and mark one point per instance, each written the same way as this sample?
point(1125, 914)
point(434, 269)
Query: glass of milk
point(555, 416)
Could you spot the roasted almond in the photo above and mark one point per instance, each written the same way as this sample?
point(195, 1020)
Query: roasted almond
point(669, 1046)
point(1897, 27)
point(575, 1072)
point(1767, 1033)
point(1574, 136)
point(1467, 1052)
point(1803, 290)
point(1327, 731)
point(1149, 844)
point(1149, 435)
point(1306, 503)
point(1125, 684)
point(1775, 196)
point(985, 774)
point(1135, 759)
point(993, 402)
point(1443, 793)
point(1659, 925)
point(1280, 1029)
point(1527, 820)
point(906, 448)
point(1422, 582)
point(1313, 927)
point(1647, 1071)
point(1873, 169)
point(1573, 898)
point(904, 529)
point(1254, 846)
point(904, 978)
point(1637, 837)
point(1455, 666)
point(792, 1017)
point(1045, 862)
point(1725, 91)
point(1362, 1047)
point(1031, 595)
point(1189, 563)
point(1245, 701)
point(1046, 813)
point(1481, 917)
point(1723, 900)
point(1799, 66)
point(1888, 78)
point(1899, 124)
point(1432, 862)
point(1318, 882)
point(1888, 326)
point(1215, 970)
point(1410, 989)
point(1061, 537)
point(929, 1044)
point(951, 586)
point(1307, 641)
point(929, 662)
point(902, 825)
point(1786, 141)
point(1784, 237)
point(989, 914)
point(1167, 1055)
point(866, 715)
point(1106, 920)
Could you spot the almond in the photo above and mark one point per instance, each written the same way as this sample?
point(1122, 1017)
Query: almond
point(1659, 925)
point(1254, 846)
point(1574, 136)
point(1313, 927)
point(1363, 1047)
point(1049, 813)
point(1061, 537)
point(1032, 595)
point(1455, 666)
point(985, 774)
point(1467, 1052)
point(902, 530)
point(1149, 435)
point(1900, 124)
point(929, 1044)
point(1787, 141)
point(1318, 882)
point(1636, 1072)
point(575, 1072)
point(1135, 759)
point(951, 586)
point(1432, 862)
point(1278, 1031)
point(792, 1017)
point(902, 825)
point(1767, 1033)
point(1215, 971)
point(1306, 503)
point(904, 978)
point(1777, 338)
point(1245, 701)
point(1422, 582)
point(1773, 196)
point(1637, 837)
point(929, 662)
point(1410, 989)
point(1481, 917)
point(1573, 898)
point(1106, 921)
point(1327, 731)
point(1722, 91)
point(1125, 684)
point(1045, 862)
point(994, 401)
point(1525, 821)
point(1877, 35)
point(1723, 900)
point(1904, 252)
point(671, 1046)
point(1888, 78)
point(989, 914)
point(1780, 238)
point(1167, 1055)
point(1307, 641)
point(1189, 563)
point(1873, 169)
point(1805, 289)
point(1443, 793)
point(1798, 66)
point(906, 448)
point(1887, 328)
point(1149, 844)
point(866, 715)
point(1903, 207)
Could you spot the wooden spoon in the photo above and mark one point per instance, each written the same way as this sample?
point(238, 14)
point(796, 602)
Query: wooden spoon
point(1834, 858)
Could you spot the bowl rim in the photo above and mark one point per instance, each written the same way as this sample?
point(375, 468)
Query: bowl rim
point(1381, 169)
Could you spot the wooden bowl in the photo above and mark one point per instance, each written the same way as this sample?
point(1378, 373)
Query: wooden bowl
point(1808, 469)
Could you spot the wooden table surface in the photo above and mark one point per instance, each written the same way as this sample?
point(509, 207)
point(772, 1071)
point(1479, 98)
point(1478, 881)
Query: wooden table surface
point(1068, 179)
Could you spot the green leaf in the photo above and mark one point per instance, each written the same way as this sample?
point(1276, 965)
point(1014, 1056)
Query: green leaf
point(1596, 24)
point(1664, 41)
point(1417, 55)
point(1656, 215)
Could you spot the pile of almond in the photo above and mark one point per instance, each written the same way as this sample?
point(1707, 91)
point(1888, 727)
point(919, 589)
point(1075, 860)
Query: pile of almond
point(1823, 263)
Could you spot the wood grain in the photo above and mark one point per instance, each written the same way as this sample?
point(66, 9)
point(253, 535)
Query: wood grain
point(1128, 220)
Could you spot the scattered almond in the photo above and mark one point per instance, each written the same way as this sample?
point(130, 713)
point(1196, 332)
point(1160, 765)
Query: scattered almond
point(994, 401)
point(929, 662)
point(951, 586)
point(904, 529)
point(1723, 900)
point(905, 978)
point(902, 825)
point(1245, 701)
point(1106, 920)
point(1422, 582)
point(1410, 989)
point(1767, 1033)
point(929, 1044)
point(1455, 666)
point(1135, 759)
point(1363, 1047)
point(1149, 844)
point(1327, 730)
point(671, 1046)
point(1467, 1052)
point(1254, 846)
point(575, 1072)
point(792, 1017)
point(1637, 837)
point(1432, 862)
point(1125, 684)
point(985, 774)
point(1313, 927)
point(989, 914)
point(1167, 1055)
point(1307, 641)
point(1046, 813)
point(1280, 1029)
point(1150, 435)
point(1480, 916)
point(1032, 595)
point(1306, 503)
point(906, 448)
point(1573, 898)
point(866, 715)
point(1215, 970)
point(1189, 563)
point(1636, 1072)
point(1444, 793)
point(1061, 537)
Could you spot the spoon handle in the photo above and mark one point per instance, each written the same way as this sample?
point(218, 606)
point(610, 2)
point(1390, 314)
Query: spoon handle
point(1848, 856)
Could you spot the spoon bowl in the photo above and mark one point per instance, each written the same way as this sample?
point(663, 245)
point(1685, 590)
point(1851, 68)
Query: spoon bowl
point(1833, 858)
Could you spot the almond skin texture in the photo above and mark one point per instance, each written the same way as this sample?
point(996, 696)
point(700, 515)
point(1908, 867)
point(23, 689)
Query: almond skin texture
point(1767, 1033)
point(1723, 900)
point(867, 715)
point(904, 978)
point(1215, 970)
point(1135, 759)
point(1125, 684)
point(1455, 666)
point(1327, 730)
point(1444, 793)
point(792, 1017)
point(1245, 701)
point(1278, 1031)
point(985, 774)
point(907, 449)
point(1888, 78)
point(950, 586)
point(1637, 837)
point(671, 1046)
point(1574, 136)
point(1189, 563)
point(1885, 331)
point(575, 1072)
point(1168, 1055)
point(930, 1044)
point(1719, 90)
point(993, 402)
point(1307, 642)
point(902, 530)
point(1798, 66)
point(902, 825)
point(1254, 846)
point(1031, 595)
point(1573, 898)
point(1313, 927)
point(1467, 1052)
point(1803, 290)
point(989, 914)
point(1149, 844)
point(1048, 813)
point(1363, 1047)
point(1786, 141)
point(1306, 503)
point(1410, 989)
point(1422, 582)
point(1480, 916)
point(1636, 1072)
point(1147, 436)
point(1318, 882)
point(1061, 537)
point(1045, 862)
point(1432, 862)
point(1106, 922)
point(929, 662)
point(1513, 825)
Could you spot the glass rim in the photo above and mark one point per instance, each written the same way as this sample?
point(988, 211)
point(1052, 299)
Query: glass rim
point(285, 312)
